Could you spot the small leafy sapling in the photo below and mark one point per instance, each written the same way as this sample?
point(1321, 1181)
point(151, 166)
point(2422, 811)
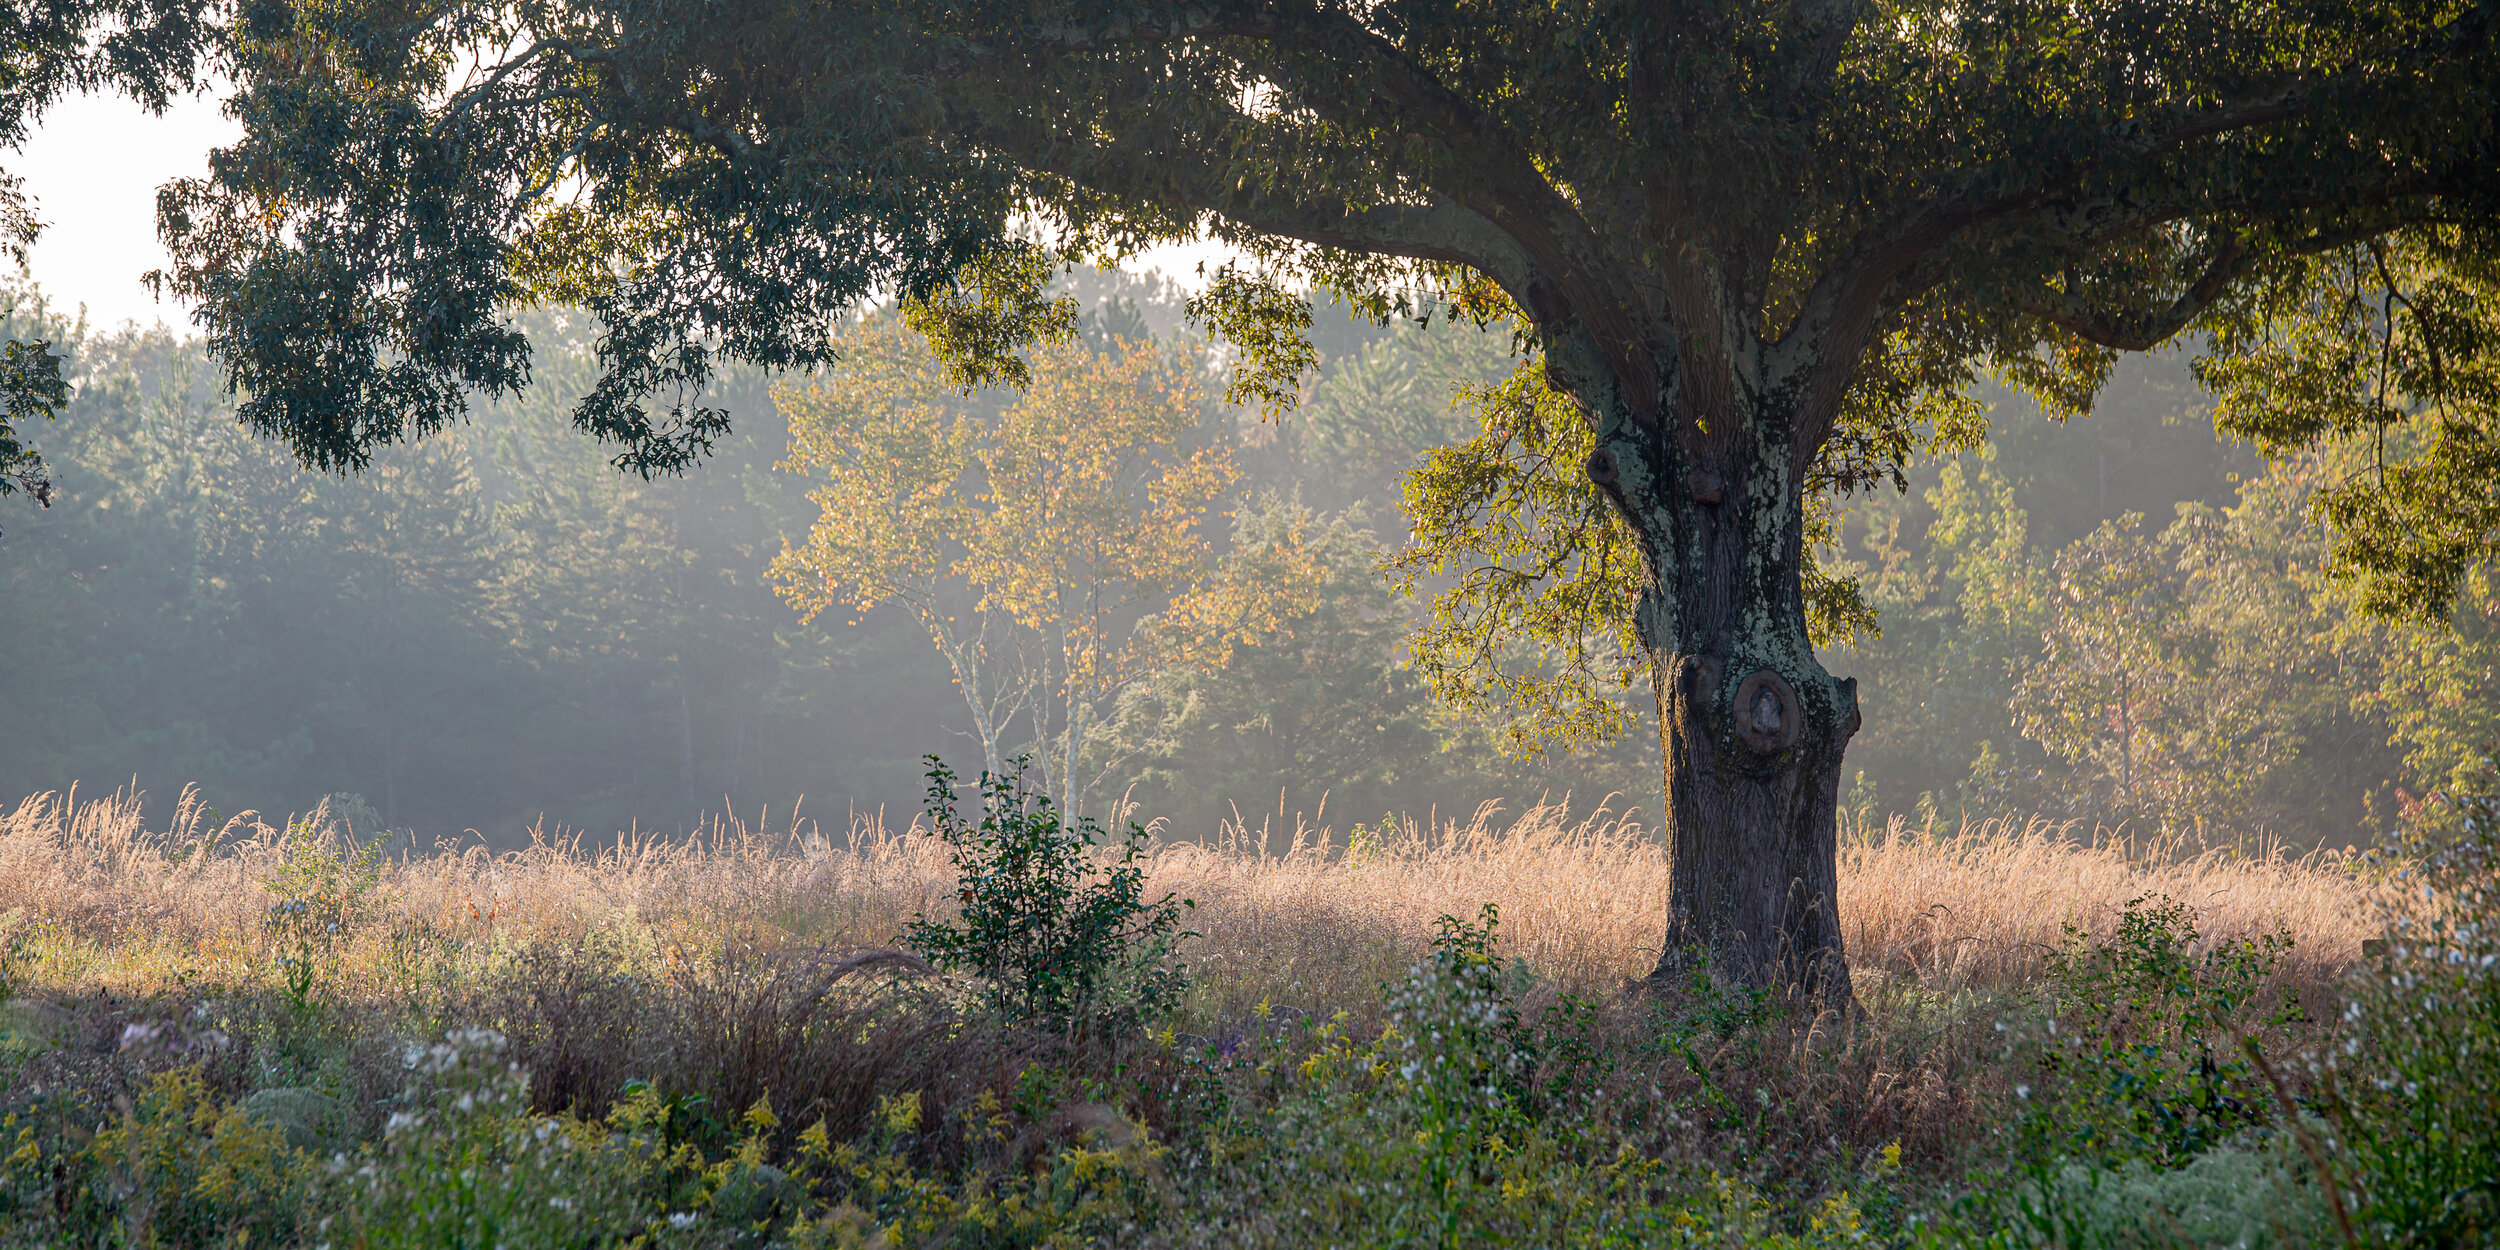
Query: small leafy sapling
point(1053, 932)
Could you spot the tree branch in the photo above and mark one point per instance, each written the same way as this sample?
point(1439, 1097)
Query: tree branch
point(2136, 330)
point(1828, 25)
point(1442, 231)
point(1487, 172)
point(1818, 356)
point(466, 100)
point(727, 140)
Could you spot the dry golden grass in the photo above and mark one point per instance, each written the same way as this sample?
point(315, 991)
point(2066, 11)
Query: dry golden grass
point(1983, 904)
point(1317, 926)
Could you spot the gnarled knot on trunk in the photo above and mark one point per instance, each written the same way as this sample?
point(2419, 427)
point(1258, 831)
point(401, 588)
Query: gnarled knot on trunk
point(1767, 715)
point(1602, 467)
point(1700, 676)
point(1765, 711)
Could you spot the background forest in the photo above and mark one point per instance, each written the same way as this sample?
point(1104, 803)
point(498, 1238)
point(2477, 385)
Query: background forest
point(2122, 619)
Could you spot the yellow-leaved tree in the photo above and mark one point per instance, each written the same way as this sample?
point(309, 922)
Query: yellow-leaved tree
point(1056, 543)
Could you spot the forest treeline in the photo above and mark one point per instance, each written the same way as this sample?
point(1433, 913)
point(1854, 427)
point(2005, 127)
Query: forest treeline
point(2122, 618)
point(494, 624)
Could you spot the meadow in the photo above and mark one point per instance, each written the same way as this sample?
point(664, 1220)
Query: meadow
point(238, 1030)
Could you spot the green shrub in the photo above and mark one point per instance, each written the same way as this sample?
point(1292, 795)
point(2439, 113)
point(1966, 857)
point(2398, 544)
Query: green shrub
point(2415, 1095)
point(175, 1167)
point(2251, 1193)
point(180, 1168)
point(1716, 1029)
point(2141, 1058)
point(1461, 1125)
point(327, 884)
point(1053, 934)
point(463, 1163)
point(1105, 1186)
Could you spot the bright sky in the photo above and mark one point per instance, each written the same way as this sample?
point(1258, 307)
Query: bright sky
point(93, 169)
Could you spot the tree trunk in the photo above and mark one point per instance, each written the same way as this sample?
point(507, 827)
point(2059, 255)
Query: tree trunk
point(1752, 726)
point(685, 744)
point(390, 702)
point(1070, 794)
point(1752, 754)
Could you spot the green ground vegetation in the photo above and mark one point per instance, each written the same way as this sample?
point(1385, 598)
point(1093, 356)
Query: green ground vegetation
point(620, 1088)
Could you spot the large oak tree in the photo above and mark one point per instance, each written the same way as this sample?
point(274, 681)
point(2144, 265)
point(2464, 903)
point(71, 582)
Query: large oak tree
point(1758, 248)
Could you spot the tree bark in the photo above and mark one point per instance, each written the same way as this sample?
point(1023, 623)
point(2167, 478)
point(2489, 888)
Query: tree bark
point(685, 743)
point(1751, 826)
point(1752, 726)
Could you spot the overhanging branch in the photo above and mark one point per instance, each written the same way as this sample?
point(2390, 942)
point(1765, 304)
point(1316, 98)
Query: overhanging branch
point(1815, 360)
point(2139, 330)
point(1439, 232)
point(1484, 169)
point(1442, 231)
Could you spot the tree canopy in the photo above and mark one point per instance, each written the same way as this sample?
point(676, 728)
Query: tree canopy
point(1862, 202)
point(1058, 552)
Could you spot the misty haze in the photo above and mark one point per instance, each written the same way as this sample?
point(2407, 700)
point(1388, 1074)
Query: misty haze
point(1765, 624)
